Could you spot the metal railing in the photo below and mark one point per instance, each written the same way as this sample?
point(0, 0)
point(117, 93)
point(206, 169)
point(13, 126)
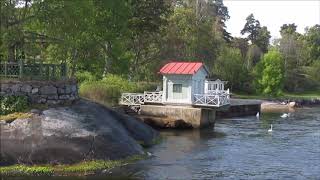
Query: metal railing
point(38, 71)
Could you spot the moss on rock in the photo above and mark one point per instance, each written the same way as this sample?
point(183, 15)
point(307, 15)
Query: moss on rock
point(79, 169)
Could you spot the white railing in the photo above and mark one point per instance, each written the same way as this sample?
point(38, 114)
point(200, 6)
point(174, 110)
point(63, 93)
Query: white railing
point(215, 100)
point(153, 97)
point(217, 91)
point(132, 99)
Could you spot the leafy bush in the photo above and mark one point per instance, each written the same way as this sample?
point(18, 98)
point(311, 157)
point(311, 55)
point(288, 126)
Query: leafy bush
point(11, 104)
point(85, 76)
point(271, 77)
point(109, 88)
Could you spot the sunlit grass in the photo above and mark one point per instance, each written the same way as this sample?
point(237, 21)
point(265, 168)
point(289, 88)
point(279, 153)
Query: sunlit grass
point(13, 116)
point(78, 169)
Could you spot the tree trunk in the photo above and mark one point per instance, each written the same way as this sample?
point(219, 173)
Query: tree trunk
point(73, 63)
point(11, 52)
point(107, 49)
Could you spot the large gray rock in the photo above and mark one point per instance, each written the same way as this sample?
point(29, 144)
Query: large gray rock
point(83, 131)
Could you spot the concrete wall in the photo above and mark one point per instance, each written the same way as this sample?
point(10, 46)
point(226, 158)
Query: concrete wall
point(178, 116)
point(42, 92)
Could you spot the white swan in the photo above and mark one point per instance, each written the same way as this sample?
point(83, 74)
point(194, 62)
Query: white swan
point(270, 130)
point(285, 115)
point(258, 115)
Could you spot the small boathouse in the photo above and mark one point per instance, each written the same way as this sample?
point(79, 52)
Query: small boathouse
point(184, 83)
point(188, 97)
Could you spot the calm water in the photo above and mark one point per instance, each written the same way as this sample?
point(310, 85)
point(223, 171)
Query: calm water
point(239, 148)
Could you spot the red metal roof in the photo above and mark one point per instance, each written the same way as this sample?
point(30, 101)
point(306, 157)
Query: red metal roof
point(181, 68)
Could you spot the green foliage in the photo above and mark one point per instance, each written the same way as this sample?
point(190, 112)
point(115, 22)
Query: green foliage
point(109, 89)
point(84, 76)
point(22, 170)
point(230, 66)
point(272, 74)
point(11, 104)
point(314, 71)
point(133, 39)
point(258, 35)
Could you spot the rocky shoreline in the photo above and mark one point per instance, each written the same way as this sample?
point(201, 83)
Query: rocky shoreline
point(287, 105)
point(84, 131)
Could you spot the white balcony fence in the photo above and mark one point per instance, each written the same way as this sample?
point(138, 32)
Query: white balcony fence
point(215, 100)
point(153, 97)
point(139, 98)
point(131, 99)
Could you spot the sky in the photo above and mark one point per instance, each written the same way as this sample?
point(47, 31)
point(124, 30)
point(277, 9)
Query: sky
point(273, 14)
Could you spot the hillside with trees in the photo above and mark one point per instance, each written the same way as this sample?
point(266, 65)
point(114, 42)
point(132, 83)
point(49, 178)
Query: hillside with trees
point(129, 40)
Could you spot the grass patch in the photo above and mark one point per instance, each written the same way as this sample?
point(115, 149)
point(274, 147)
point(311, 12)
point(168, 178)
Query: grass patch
point(13, 116)
point(79, 169)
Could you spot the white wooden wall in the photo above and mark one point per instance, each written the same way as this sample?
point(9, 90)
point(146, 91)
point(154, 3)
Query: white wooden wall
point(191, 84)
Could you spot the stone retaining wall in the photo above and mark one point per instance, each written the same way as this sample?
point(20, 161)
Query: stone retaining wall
point(42, 92)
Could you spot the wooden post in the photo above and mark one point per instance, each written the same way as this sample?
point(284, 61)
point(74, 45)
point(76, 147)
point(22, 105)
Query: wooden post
point(54, 71)
point(20, 69)
point(5, 69)
point(40, 69)
point(47, 71)
point(63, 70)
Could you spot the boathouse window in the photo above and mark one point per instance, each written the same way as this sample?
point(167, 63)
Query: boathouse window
point(177, 88)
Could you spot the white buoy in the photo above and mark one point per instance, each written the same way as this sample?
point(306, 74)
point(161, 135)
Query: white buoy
point(270, 130)
point(258, 115)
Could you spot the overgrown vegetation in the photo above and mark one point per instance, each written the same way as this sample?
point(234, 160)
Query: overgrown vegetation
point(11, 104)
point(133, 39)
point(79, 169)
point(109, 88)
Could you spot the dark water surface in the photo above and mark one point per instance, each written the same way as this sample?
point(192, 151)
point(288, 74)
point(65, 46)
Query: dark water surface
point(240, 148)
point(237, 148)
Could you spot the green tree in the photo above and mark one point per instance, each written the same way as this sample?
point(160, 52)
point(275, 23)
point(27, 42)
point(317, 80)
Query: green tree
point(251, 28)
point(258, 35)
point(147, 19)
point(312, 38)
point(291, 48)
point(231, 67)
point(272, 73)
